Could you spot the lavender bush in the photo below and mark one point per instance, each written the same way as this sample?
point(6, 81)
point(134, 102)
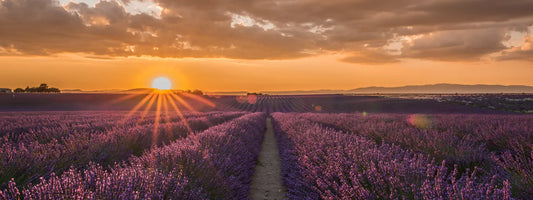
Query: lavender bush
point(215, 164)
point(500, 144)
point(322, 163)
point(28, 158)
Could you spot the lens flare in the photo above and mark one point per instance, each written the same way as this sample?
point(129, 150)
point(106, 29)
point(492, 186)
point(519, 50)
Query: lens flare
point(251, 99)
point(420, 121)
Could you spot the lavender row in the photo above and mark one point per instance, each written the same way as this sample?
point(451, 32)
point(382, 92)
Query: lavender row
point(26, 162)
point(215, 164)
point(36, 126)
point(500, 144)
point(228, 154)
point(322, 163)
point(268, 104)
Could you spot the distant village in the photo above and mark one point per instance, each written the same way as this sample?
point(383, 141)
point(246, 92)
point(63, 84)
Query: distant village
point(43, 88)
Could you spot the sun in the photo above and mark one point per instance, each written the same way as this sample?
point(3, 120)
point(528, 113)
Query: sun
point(162, 83)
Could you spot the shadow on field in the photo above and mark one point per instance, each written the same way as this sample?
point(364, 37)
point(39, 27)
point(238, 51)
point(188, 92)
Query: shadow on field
point(263, 103)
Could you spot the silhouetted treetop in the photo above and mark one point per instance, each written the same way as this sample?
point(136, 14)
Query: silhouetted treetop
point(43, 88)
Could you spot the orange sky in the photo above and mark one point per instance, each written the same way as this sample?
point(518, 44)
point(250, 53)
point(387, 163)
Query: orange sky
point(323, 72)
point(264, 45)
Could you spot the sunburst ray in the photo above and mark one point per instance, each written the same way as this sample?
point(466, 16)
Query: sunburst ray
point(157, 119)
point(148, 107)
point(182, 102)
point(200, 99)
point(178, 111)
point(137, 107)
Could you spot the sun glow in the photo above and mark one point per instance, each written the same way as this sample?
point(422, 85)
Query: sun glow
point(168, 105)
point(162, 83)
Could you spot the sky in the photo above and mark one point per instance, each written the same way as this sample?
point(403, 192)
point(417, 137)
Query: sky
point(264, 45)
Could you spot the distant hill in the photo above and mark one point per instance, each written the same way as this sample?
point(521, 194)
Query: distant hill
point(117, 91)
point(121, 91)
point(139, 90)
point(446, 88)
point(442, 88)
point(72, 91)
point(92, 91)
point(229, 93)
point(304, 92)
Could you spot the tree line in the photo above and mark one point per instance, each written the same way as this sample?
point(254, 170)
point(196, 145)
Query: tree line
point(42, 88)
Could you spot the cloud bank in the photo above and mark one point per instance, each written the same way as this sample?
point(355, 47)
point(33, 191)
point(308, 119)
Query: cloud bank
point(368, 32)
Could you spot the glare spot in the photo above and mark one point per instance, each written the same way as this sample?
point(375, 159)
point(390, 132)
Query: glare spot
point(420, 121)
point(162, 83)
point(252, 99)
point(241, 99)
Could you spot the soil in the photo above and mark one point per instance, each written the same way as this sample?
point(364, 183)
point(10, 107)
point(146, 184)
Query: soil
point(266, 182)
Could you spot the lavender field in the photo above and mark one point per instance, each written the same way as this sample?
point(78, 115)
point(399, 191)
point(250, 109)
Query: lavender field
point(95, 155)
point(266, 99)
point(330, 146)
point(393, 156)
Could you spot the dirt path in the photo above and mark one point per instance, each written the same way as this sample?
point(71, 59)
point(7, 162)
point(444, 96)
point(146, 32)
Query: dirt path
point(266, 183)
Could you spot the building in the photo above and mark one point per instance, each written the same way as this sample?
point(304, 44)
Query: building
point(5, 90)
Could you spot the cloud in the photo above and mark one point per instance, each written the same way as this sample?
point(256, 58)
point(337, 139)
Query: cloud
point(453, 30)
point(455, 45)
point(524, 52)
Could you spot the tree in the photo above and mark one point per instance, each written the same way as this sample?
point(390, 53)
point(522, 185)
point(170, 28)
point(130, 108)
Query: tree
point(19, 90)
point(197, 92)
point(42, 88)
point(54, 90)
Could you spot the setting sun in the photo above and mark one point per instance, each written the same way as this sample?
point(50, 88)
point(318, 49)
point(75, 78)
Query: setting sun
point(162, 83)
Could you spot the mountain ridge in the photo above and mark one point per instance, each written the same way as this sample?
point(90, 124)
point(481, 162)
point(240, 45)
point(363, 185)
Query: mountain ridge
point(447, 88)
point(444, 88)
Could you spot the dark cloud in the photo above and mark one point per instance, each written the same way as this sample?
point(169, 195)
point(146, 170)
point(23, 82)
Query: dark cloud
point(454, 30)
point(28, 26)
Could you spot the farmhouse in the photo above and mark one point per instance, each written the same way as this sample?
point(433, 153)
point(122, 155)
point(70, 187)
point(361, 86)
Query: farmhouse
point(5, 90)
